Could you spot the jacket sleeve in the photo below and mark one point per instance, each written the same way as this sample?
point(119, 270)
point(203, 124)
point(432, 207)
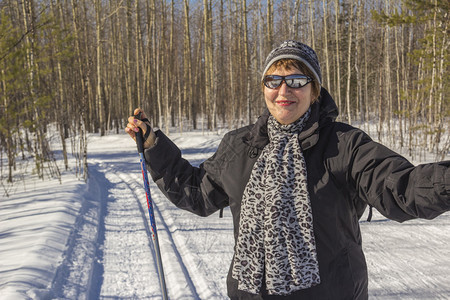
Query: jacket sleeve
point(195, 189)
point(391, 184)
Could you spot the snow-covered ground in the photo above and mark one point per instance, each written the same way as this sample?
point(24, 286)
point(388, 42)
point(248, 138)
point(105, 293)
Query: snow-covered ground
point(92, 240)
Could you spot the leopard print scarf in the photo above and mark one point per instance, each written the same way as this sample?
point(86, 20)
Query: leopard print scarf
point(276, 237)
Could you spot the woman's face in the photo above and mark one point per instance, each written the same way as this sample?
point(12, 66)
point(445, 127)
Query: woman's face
point(287, 104)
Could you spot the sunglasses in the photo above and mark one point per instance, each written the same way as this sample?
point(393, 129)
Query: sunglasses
point(293, 81)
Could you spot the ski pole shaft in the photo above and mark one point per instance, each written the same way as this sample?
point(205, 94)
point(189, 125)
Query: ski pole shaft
point(140, 146)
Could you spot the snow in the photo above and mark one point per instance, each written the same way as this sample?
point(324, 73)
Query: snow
point(76, 240)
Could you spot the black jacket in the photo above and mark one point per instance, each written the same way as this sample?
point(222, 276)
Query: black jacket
point(346, 172)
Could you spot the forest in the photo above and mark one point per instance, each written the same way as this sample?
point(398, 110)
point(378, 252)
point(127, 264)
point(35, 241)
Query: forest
point(76, 67)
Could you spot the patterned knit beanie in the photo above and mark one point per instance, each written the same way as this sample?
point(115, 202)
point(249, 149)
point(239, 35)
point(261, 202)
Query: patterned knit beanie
point(295, 50)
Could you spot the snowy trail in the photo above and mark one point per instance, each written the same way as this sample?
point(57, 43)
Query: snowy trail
point(93, 241)
point(126, 248)
point(118, 260)
point(125, 266)
point(409, 260)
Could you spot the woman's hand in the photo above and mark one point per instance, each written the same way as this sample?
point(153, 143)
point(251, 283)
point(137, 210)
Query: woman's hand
point(134, 125)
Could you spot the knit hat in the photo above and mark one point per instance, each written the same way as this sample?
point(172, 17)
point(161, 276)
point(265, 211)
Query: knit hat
point(295, 50)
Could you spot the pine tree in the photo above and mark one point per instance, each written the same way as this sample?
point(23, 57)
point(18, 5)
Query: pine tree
point(430, 18)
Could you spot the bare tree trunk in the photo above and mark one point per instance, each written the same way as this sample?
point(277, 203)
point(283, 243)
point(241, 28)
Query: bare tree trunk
point(387, 75)
point(90, 113)
point(293, 29)
point(230, 110)
point(349, 63)
point(338, 59)
point(431, 106)
point(246, 59)
point(100, 105)
point(8, 140)
point(359, 110)
point(270, 30)
point(399, 100)
point(208, 60)
point(221, 96)
point(151, 60)
point(366, 81)
point(137, 53)
point(404, 83)
point(380, 107)
point(311, 23)
point(128, 69)
point(325, 40)
point(170, 70)
point(415, 111)
point(118, 103)
point(187, 87)
point(158, 84)
point(61, 113)
point(440, 98)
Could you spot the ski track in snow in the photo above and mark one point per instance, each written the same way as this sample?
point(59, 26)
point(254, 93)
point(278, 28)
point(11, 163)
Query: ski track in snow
point(101, 247)
point(120, 264)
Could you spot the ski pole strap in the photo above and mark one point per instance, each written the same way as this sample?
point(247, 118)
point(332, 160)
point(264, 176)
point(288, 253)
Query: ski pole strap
point(140, 139)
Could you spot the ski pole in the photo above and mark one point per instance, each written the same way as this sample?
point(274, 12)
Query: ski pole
point(140, 146)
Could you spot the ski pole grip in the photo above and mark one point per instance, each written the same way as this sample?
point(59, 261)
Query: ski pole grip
point(139, 136)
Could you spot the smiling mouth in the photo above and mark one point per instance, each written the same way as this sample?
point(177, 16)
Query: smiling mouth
point(284, 102)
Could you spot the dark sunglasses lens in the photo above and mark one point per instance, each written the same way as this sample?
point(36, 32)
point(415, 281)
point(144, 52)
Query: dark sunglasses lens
point(272, 82)
point(292, 81)
point(296, 82)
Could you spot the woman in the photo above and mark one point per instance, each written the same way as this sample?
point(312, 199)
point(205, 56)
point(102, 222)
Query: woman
point(297, 183)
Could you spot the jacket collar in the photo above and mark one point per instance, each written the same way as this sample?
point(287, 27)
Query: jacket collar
point(323, 111)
